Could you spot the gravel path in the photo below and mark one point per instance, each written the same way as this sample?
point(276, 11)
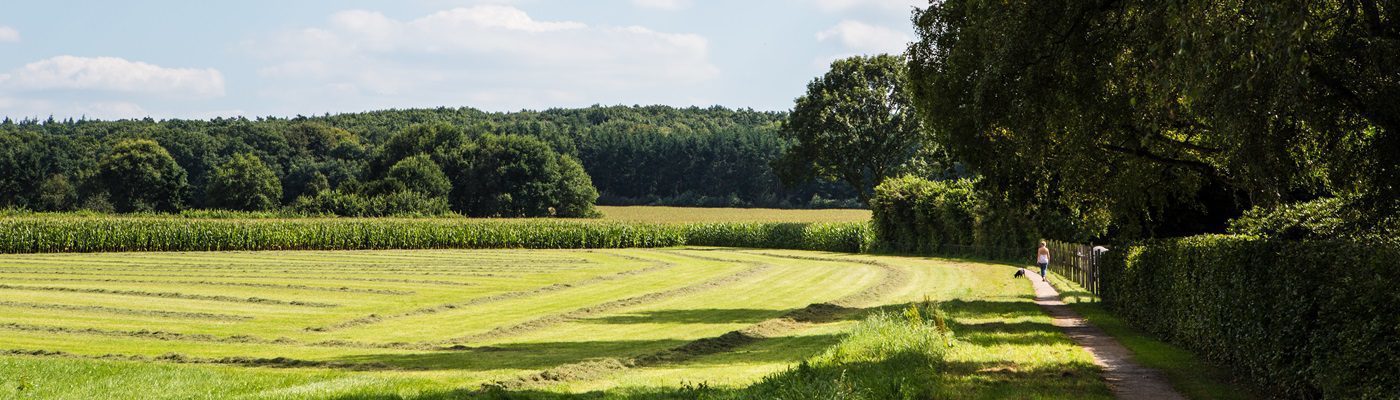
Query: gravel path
point(1126, 378)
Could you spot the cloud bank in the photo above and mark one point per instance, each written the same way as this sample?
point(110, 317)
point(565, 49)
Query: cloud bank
point(482, 55)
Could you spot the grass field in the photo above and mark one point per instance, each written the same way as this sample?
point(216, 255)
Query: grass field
point(700, 214)
point(441, 323)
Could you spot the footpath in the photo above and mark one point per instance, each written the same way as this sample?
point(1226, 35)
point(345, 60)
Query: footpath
point(1126, 378)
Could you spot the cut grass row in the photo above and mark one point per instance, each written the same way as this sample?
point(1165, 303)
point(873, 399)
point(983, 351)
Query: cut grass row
point(1026, 358)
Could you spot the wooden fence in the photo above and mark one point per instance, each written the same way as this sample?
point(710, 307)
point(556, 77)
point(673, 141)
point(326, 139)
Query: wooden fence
point(1076, 262)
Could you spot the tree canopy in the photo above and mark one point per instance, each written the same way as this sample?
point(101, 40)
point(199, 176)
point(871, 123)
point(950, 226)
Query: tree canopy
point(634, 155)
point(139, 175)
point(1172, 117)
point(856, 124)
point(244, 183)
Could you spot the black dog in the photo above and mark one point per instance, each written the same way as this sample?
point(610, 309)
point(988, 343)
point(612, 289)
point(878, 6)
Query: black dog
point(1019, 273)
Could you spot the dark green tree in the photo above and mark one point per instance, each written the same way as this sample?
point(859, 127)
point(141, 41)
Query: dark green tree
point(418, 174)
point(139, 175)
point(244, 183)
point(1171, 116)
point(57, 194)
point(518, 176)
point(856, 124)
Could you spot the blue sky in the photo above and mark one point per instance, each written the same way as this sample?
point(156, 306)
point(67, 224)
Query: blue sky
point(187, 59)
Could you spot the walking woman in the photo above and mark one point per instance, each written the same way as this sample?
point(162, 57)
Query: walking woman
point(1042, 259)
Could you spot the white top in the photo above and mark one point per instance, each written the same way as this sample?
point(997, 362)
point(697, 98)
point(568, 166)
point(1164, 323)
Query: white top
point(1043, 259)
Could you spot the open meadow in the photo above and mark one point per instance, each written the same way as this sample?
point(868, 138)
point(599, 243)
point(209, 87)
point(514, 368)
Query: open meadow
point(441, 323)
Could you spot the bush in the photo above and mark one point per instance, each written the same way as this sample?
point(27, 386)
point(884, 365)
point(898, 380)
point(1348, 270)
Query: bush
point(1329, 217)
point(1303, 319)
point(396, 204)
point(916, 215)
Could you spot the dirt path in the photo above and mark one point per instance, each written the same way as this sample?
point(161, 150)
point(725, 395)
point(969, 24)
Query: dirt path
point(1126, 378)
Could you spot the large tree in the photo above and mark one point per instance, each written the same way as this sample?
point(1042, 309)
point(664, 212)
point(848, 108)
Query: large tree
point(418, 174)
point(856, 124)
point(519, 176)
point(1172, 115)
point(244, 183)
point(139, 175)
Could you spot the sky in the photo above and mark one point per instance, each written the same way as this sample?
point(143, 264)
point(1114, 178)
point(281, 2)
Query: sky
point(104, 59)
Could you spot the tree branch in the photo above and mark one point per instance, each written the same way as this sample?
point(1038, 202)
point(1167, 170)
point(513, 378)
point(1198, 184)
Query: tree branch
point(1186, 145)
point(1143, 153)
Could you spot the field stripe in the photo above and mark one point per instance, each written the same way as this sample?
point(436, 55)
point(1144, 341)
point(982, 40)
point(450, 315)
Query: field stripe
point(173, 295)
point(206, 338)
point(555, 319)
point(219, 283)
point(892, 277)
point(374, 318)
point(127, 311)
point(284, 276)
point(278, 362)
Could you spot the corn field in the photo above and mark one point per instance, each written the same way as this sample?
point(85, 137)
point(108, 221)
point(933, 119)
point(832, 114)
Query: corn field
point(103, 234)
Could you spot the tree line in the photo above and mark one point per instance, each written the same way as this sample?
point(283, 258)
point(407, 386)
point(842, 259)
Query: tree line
point(419, 161)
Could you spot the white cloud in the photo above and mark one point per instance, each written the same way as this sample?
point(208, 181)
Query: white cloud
point(866, 38)
point(669, 5)
point(114, 75)
point(889, 5)
point(8, 34)
point(476, 54)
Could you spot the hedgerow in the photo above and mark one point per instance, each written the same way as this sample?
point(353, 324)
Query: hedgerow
point(1304, 319)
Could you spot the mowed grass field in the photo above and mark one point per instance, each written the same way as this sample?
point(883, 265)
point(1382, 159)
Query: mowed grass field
point(702, 214)
point(442, 323)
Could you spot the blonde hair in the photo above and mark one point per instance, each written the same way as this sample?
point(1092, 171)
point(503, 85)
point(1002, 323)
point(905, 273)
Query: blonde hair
point(1042, 243)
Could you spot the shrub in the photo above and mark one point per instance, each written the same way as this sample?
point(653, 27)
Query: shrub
point(916, 215)
point(396, 204)
point(1304, 319)
point(1329, 217)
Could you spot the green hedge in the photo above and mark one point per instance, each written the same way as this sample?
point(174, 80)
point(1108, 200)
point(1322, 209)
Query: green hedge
point(97, 234)
point(915, 215)
point(1303, 319)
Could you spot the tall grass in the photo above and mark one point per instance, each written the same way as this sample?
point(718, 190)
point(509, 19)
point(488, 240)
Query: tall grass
point(100, 234)
point(886, 356)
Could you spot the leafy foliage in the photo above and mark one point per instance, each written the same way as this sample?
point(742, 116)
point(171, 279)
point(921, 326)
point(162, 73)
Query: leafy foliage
point(139, 175)
point(417, 174)
point(518, 176)
point(1172, 116)
point(1306, 319)
point(634, 155)
point(856, 124)
point(1325, 218)
point(393, 204)
point(244, 183)
point(915, 215)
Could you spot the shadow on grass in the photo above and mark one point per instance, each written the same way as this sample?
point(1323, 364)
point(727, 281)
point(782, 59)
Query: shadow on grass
point(695, 316)
point(547, 355)
point(994, 330)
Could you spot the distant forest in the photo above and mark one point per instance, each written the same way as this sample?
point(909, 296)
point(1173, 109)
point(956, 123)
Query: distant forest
point(635, 155)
